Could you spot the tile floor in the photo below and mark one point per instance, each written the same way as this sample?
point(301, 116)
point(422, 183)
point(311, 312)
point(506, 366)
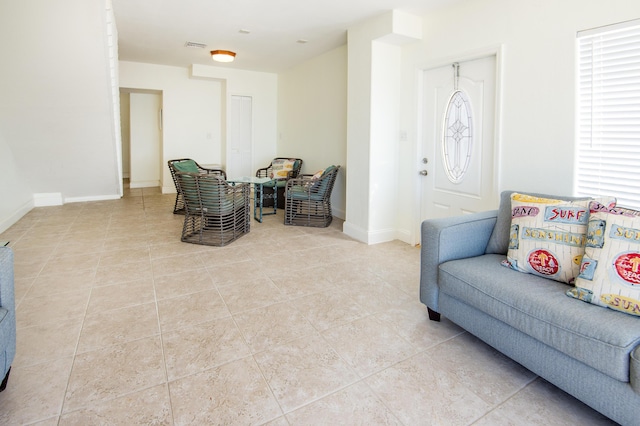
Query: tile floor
point(118, 322)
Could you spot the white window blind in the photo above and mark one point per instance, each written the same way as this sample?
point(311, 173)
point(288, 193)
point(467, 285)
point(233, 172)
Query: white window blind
point(608, 157)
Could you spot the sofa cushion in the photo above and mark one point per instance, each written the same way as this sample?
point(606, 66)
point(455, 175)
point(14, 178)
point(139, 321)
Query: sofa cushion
point(548, 236)
point(610, 270)
point(600, 338)
point(499, 240)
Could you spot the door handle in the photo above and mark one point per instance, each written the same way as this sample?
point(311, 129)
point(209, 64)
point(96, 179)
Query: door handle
point(423, 172)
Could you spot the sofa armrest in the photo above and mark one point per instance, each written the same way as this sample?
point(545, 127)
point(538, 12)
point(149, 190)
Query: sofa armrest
point(8, 321)
point(448, 239)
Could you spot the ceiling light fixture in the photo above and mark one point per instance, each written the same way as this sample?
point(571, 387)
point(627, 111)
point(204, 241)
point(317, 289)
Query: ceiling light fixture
point(223, 55)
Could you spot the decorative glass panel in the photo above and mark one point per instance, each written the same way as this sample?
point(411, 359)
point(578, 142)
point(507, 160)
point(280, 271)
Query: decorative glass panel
point(457, 136)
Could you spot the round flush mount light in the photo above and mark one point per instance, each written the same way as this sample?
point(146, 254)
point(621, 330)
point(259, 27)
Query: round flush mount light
point(223, 55)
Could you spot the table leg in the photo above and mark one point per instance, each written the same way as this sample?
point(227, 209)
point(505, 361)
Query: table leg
point(256, 205)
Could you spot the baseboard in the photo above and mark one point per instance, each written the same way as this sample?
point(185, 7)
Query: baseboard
point(169, 189)
point(144, 184)
point(12, 219)
point(368, 237)
point(92, 198)
point(47, 199)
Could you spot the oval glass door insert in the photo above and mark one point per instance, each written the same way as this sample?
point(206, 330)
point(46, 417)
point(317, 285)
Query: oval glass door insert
point(457, 136)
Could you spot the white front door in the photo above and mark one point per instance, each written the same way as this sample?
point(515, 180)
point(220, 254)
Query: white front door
point(457, 161)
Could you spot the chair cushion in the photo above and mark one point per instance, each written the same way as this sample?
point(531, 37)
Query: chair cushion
point(600, 338)
point(188, 166)
point(280, 168)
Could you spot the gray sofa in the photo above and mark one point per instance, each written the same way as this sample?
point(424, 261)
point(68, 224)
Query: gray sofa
point(588, 351)
point(7, 315)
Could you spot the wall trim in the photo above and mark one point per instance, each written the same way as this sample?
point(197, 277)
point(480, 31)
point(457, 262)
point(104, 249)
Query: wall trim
point(9, 221)
point(45, 199)
point(368, 237)
point(91, 198)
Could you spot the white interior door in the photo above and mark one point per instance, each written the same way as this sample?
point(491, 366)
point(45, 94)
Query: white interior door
point(457, 164)
point(239, 148)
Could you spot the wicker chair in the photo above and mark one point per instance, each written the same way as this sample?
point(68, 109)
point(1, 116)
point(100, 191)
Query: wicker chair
point(190, 166)
point(280, 184)
point(308, 200)
point(216, 213)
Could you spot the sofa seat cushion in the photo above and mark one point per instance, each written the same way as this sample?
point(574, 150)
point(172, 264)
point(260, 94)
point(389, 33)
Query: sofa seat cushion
point(598, 337)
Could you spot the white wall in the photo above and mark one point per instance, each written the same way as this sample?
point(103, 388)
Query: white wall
point(191, 113)
point(15, 193)
point(312, 117)
point(263, 89)
point(55, 105)
point(536, 136)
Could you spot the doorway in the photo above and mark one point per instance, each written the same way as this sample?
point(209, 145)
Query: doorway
point(141, 124)
point(458, 146)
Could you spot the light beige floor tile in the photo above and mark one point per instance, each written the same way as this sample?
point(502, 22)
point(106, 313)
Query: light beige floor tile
point(418, 390)
point(183, 283)
point(487, 373)
point(118, 326)
point(34, 393)
point(355, 405)
point(112, 258)
point(47, 341)
point(54, 308)
point(222, 255)
point(329, 309)
point(175, 264)
point(199, 347)
point(116, 241)
point(147, 407)
point(116, 296)
point(251, 295)
point(61, 265)
point(270, 326)
point(45, 285)
point(238, 272)
point(368, 345)
point(234, 393)
point(191, 309)
point(302, 284)
point(304, 370)
point(375, 295)
point(125, 272)
point(108, 373)
point(292, 281)
point(412, 322)
point(542, 404)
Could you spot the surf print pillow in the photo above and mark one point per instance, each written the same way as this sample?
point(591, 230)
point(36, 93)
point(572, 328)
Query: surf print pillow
point(610, 270)
point(547, 236)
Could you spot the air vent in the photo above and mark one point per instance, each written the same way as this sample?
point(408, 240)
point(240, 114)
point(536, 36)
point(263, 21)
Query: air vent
point(195, 44)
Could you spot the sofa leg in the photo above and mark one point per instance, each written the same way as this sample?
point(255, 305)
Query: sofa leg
point(3, 385)
point(433, 315)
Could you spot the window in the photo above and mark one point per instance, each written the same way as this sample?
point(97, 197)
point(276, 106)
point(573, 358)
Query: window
point(608, 151)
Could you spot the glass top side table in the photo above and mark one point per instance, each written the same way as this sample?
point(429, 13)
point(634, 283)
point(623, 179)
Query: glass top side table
point(258, 194)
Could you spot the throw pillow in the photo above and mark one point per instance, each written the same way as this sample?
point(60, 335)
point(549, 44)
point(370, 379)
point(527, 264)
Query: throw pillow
point(610, 269)
point(547, 236)
point(280, 169)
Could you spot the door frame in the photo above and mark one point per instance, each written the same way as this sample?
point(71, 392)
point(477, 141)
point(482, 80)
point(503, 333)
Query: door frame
point(498, 52)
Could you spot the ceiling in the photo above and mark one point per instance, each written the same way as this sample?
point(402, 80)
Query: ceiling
point(156, 31)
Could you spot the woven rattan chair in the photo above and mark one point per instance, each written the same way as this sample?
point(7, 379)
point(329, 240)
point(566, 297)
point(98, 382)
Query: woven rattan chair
point(216, 213)
point(308, 200)
point(280, 184)
point(190, 166)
